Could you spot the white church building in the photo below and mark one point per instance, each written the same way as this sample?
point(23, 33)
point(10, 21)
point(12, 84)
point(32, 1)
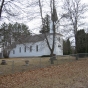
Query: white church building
point(36, 45)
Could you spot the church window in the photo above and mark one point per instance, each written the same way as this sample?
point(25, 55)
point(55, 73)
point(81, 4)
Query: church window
point(30, 48)
point(25, 49)
point(59, 39)
point(59, 45)
point(37, 48)
point(20, 49)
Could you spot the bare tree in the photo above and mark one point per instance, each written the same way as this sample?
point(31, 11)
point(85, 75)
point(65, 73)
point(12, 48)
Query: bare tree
point(15, 10)
point(54, 19)
point(9, 8)
point(74, 11)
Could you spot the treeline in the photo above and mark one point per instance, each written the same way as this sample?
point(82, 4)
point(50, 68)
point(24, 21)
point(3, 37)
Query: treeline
point(12, 34)
point(82, 44)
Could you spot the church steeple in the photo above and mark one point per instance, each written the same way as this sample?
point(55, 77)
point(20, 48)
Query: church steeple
point(54, 17)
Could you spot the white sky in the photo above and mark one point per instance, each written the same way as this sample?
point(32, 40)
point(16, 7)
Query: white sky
point(84, 1)
point(35, 24)
point(86, 14)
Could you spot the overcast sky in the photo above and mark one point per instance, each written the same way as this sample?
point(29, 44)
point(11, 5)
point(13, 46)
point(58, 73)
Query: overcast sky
point(35, 24)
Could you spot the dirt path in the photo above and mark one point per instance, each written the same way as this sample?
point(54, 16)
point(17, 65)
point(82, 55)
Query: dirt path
point(69, 75)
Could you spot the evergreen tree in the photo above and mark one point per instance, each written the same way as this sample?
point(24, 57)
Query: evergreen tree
point(86, 51)
point(82, 42)
point(46, 25)
point(66, 47)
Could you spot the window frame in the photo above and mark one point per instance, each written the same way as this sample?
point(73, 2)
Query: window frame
point(25, 49)
point(37, 48)
point(20, 49)
point(30, 48)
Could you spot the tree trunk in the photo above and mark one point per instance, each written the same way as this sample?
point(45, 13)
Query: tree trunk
point(76, 40)
point(53, 14)
point(76, 47)
point(6, 53)
point(52, 57)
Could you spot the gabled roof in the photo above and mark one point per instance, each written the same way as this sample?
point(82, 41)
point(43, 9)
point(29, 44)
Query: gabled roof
point(34, 38)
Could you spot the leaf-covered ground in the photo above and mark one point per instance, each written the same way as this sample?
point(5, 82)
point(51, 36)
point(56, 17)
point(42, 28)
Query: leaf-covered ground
point(68, 75)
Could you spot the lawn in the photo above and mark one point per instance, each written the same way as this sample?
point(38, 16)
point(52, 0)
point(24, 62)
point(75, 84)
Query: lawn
point(18, 64)
point(68, 75)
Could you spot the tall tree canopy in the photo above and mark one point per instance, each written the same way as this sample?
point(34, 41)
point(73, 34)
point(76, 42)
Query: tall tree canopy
point(10, 35)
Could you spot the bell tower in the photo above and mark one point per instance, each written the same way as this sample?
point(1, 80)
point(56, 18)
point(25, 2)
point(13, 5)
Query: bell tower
point(54, 17)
